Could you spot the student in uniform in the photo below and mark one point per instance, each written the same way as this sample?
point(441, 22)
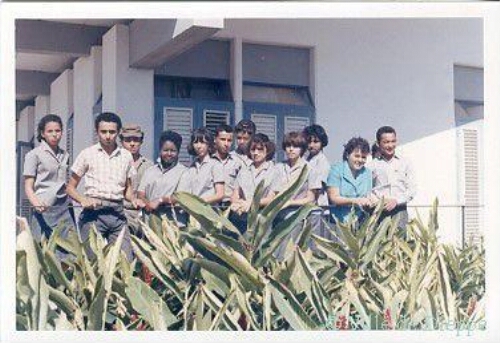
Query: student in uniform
point(107, 171)
point(295, 146)
point(163, 179)
point(206, 174)
point(350, 182)
point(261, 168)
point(317, 140)
point(45, 169)
point(244, 131)
point(131, 138)
point(223, 142)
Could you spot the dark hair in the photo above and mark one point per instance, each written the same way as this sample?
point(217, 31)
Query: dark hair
point(297, 139)
point(261, 139)
point(108, 117)
point(356, 143)
point(375, 150)
point(246, 125)
point(223, 128)
point(201, 135)
point(384, 129)
point(316, 131)
point(171, 136)
point(44, 121)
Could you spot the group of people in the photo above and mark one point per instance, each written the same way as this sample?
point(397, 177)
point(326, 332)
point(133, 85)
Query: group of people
point(120, 184)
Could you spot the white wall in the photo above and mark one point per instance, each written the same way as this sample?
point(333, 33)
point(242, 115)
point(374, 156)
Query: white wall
point(26, 124)
point(42, 108)
point(126, 91)
point(398, 72)
point(61, 99)
point(87, 77)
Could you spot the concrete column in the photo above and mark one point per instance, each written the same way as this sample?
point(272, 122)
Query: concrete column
point(26, 124)
point(87, 88)
point(42, 108)
point(126, 91)
point(61, 99)
point(236, 77)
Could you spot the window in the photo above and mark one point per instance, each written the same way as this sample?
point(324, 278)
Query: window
point(212, 119)
point(266, 124)
point(295, 123)
point(180, 120)
point(276, 94)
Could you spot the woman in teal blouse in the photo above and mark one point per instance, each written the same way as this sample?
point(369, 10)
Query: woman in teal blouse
point(350, 182)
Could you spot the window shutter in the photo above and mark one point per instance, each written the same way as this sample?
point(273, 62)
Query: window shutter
point(212, 119)
point(266, 124)
point(180, 120)
point(471, 186)
point(295, 123)
point(23, 202)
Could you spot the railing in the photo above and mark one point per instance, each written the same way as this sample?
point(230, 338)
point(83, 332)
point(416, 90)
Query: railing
point(27, 211)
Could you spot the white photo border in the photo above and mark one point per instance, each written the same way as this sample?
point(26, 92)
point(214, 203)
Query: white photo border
point(488, 11)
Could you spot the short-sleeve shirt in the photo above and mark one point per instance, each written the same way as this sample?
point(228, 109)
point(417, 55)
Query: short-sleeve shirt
point(203, 175)
point(49, 170)
point(243, 160)
point(249, 178)
point(141, 166)
point(341, 177)
point(393, 179)
point(319, 163)
point(231, 169)
point(286, 175)
point(161, 182)
point(105, 175)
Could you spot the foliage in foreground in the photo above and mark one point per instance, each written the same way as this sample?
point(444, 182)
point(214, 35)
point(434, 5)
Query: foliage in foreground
point(210, 277)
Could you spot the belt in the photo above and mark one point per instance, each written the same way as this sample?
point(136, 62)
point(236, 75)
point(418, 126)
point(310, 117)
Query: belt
point(116, 204)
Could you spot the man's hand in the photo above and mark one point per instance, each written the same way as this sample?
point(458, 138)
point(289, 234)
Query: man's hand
point(41, 207)
point(90, 203)
point(138, 203)
point(390, 204)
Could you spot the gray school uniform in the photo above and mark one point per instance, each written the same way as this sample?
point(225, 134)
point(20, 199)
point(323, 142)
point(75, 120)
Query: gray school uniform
point(249, 178)
point(231, 167)
point(49, 168)
point(131, 214)
point(159, 182)
point(319, 163)
point(285, 175)
point(204, 175)
point(243, 160)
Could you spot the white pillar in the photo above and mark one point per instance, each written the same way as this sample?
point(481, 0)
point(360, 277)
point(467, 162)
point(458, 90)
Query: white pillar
point(127, 91)
point(87, 88)
point(26, 124)
point(236, 78)
point(42, 108)
point(61, 99)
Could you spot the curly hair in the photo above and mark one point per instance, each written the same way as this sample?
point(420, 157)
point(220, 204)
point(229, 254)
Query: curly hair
point(171, 136)
point(316, 131)
point(354, 144)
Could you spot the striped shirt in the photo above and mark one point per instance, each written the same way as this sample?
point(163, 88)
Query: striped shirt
point(105, 176)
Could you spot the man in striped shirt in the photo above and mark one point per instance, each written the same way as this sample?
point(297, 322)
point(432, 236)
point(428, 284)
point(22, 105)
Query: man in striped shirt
point(107, 171)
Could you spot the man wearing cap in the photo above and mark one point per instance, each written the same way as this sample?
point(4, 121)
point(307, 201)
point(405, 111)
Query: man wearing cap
point(131, 137)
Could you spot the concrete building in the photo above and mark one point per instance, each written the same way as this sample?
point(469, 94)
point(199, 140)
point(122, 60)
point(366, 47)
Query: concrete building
point(422, 76)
